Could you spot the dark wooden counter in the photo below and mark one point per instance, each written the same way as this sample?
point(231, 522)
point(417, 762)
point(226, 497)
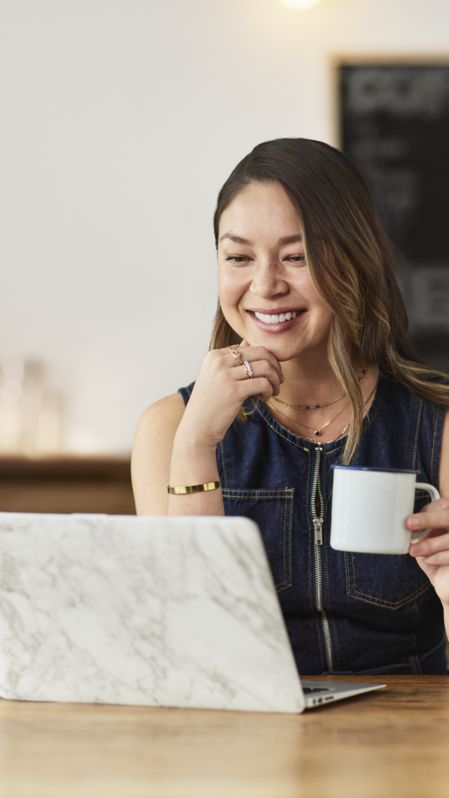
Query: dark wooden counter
point(66, 484)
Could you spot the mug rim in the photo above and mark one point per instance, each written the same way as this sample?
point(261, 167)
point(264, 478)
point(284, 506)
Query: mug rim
point(374, 468)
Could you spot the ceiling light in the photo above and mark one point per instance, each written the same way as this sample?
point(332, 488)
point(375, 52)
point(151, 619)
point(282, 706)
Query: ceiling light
point(299, 3)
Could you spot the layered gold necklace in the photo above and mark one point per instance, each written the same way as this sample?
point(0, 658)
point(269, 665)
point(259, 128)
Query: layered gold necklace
point(318, 431)
point(309, 407)
point(316, 406)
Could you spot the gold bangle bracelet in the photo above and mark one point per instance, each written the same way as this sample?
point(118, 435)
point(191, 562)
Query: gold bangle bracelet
point(181, 490)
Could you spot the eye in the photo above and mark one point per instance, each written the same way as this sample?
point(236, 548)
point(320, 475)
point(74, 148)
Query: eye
point(296, 258)
point(237, 258)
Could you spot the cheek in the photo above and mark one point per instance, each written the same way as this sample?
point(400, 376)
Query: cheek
point(323, 311)
point(324, 319)
point(310, 292)
point(229, 289)
point(306, 286)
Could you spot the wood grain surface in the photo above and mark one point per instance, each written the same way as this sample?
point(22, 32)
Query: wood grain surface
point(391, 743)
point(66, 484)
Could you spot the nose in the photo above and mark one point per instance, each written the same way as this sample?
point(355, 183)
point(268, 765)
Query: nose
point(268, 281)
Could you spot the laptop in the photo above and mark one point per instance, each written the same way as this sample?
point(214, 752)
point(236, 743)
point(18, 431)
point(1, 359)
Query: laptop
point(172, 612)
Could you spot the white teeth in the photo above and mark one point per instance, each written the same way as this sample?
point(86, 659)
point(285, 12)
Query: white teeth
point(275, 318)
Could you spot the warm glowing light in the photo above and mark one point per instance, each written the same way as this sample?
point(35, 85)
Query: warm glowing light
point(299, 3)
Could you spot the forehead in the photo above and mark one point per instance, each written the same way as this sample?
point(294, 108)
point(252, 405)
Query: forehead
point(261, 209)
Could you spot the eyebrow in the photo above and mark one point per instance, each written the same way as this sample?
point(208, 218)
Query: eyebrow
point(293, 239)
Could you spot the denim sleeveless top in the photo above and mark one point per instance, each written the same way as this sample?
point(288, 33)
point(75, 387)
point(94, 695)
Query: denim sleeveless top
point(345, 613)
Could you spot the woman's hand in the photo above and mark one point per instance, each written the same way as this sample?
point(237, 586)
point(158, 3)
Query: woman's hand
point(432, 552)
point(222, 386)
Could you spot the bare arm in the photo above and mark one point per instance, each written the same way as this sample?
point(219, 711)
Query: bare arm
point(161, 457)
point(177, 445)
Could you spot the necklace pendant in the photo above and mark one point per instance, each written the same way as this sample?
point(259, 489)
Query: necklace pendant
point(317, 432)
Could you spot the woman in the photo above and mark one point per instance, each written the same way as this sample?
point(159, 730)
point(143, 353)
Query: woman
point(309, 366)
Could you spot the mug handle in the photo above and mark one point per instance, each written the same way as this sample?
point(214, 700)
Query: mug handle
point(434, 495)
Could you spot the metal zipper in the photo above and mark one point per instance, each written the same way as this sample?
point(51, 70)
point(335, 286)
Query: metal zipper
point(318, 520)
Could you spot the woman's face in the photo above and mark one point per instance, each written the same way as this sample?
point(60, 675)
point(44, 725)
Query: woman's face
point(265, 287)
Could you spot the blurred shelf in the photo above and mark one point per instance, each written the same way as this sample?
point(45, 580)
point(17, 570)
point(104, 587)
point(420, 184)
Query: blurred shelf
point(66, 484)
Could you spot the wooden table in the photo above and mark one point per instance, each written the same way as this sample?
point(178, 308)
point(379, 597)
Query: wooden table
point(392, 743)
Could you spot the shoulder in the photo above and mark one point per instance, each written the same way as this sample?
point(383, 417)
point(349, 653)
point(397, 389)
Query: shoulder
point(395, 391)
point(162, 416)
point(433, 423)
point(409, 423)
point(404, 397)
point(151, 455)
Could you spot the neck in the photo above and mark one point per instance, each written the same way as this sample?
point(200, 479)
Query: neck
point(304, 381)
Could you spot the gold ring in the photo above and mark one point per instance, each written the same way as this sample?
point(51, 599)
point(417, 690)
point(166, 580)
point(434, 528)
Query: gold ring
point(236, 354)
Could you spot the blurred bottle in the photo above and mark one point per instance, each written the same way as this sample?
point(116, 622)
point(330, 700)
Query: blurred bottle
point(31, 409)
point(11, 390)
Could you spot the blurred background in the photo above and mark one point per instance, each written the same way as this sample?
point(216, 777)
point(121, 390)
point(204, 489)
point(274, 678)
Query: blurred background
point(120, 121)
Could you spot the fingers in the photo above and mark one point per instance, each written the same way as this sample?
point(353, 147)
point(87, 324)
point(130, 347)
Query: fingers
point(438, 504)
point(260, 368)
point(440, 558)
point(433, 516)
point(256, 386)
point(266, 371)
point(256, 353)
point(432, 550)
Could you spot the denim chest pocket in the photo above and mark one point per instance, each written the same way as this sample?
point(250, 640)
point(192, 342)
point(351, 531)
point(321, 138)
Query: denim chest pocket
point(272, 510)
point(392, 582)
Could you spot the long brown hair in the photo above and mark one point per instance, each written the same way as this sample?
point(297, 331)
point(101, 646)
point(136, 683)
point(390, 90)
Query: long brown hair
point(351, 262)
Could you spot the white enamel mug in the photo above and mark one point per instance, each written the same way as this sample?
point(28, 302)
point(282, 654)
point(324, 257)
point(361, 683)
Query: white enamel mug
point(370, 507)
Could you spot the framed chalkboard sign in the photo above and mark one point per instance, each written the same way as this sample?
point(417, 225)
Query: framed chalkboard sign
point(393, 119)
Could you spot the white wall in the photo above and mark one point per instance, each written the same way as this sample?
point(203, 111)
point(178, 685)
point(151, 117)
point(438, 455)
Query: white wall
point(120, 119)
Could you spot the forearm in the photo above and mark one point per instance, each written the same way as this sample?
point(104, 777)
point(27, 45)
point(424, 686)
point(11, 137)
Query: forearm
point(446, 619)
point(194, 464)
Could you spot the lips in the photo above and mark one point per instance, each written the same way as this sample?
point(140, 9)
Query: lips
point(275, 320)
point(275, 311)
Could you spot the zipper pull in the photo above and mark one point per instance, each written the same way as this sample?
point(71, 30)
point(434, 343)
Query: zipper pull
point(318, 530)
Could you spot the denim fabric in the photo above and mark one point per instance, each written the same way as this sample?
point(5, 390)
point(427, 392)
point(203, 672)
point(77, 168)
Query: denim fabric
point(345, 613)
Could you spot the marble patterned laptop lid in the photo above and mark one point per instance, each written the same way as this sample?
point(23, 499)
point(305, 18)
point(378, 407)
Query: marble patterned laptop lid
point(178, 612)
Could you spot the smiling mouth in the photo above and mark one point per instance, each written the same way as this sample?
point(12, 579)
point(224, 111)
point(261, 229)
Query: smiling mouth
point(276, 318)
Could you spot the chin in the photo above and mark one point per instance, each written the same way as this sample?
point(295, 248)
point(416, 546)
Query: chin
point(281, 350)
